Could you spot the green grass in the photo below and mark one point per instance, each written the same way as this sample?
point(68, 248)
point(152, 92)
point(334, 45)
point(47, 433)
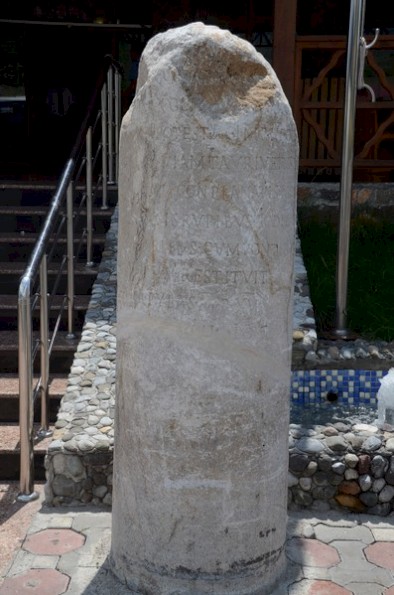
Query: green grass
point(370, 312)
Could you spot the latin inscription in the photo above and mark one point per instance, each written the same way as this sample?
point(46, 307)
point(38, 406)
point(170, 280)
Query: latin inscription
point(224, 277)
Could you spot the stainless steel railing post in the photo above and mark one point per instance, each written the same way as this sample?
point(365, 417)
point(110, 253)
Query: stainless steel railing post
point(118, 90)
point(70, 260)
point(89, 199)
point(25, 339)
point(44, 430)
point(104, 147)
point(355, 24)
point(110, 124)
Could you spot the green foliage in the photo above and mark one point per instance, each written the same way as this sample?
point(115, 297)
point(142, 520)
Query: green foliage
point(371, 274)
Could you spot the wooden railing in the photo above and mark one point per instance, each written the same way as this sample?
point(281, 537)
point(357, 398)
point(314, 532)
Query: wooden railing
point(320, 64)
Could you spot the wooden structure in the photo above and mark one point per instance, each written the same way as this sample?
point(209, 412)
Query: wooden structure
point(304, 39)
point(312, 69)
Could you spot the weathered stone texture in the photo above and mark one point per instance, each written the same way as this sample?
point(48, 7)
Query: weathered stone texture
point(205, 271)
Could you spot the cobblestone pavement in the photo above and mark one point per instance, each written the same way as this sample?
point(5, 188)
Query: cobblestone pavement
point(65, 550)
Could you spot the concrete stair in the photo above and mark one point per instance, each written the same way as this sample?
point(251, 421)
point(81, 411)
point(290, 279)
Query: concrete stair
point(22, 214)
point(9, 428)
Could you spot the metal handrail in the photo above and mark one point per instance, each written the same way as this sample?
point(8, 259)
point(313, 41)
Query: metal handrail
point(105, 106)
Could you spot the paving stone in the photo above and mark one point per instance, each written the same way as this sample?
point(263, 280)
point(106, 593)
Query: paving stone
point(53, 541)
point(45, 581)
point(365, 588)
point(311, 552)
point(345, 574)
point(22, 562)
point(381, 554)
point(330, 534)
point(317, 587)
point(382, 534)
point(355, 564)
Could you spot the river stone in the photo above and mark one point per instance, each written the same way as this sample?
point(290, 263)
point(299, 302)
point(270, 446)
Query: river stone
point(298, 462)
point(338, 467)
point(369, 499)
point(310, 445)
point(365, 482)
point(336, 443)
point(371, 444)
point(349, 487)
point(207, 215)
point(351, 460)
point(387, 494)
point(379, 466)
point(363, 465)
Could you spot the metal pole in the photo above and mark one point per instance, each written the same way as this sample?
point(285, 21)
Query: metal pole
point(110, 125)
point(44, 430)
point(104, 148)
point(26, 482)
point(118, 83)
point(70, 261)
point(89, 198)
point(357, 8)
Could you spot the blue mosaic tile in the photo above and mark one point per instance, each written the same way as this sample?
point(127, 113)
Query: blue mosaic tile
point(352, 386)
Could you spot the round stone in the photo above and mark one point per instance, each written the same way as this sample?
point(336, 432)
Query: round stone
point(387, 494)
point(336, 443)
point(298, 462)
point(292, 480)
point(378, 485)
point(306, 483)
point(365, 428)
point(100, 491)
point(86, 444)
point(369, 499)
point(363, 464)
point(303, 498)
point(351, 474)
point(371, 444)
point(330, 431)
point(351, 460)
point(338, 468)
point(365, 482)
point(309, 445)
point(379, 466)
point(311, 469)
point(349, 487)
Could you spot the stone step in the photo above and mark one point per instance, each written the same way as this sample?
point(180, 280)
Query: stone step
point(16, 238)
point(9, 397)
point(61, 357)
point(42, 210)
point(18, 268)
point(10, 453)
point(9, 341)
point(10, 302)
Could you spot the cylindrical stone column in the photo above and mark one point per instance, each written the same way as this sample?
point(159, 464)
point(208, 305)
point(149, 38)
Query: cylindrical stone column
point(207, 203)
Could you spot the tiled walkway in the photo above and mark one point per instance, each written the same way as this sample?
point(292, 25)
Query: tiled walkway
point(65, 551)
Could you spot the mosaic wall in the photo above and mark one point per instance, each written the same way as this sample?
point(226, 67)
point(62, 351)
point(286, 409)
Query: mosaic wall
point(349, 387)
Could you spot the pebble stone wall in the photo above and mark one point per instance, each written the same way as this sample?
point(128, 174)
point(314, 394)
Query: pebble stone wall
point(344, 462)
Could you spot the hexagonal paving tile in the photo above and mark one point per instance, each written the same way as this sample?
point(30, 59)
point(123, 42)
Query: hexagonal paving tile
point(312, 552)
point(317, 587)
point(381, 553)
point(53, 542)
point(42, 581)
